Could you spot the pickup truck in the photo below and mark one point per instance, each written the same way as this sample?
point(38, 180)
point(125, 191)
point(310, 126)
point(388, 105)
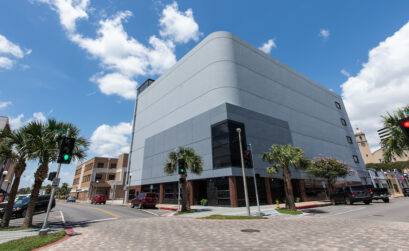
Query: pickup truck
point(378, 193)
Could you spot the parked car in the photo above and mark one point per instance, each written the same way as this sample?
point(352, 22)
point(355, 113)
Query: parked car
point(148, 199)
point(20, 206)
point(350, 195)
point(71, 199)
point(378, 193)
point(405, 191)
point(99, 198)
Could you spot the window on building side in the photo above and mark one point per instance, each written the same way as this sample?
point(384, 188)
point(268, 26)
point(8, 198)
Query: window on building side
point(225, 144)
point(100, 165)
point(112, 166)
point(349, 140)
point(343, 122)
point(356, 160)
point(338, 105)
point(111, 177)
point(98, 176)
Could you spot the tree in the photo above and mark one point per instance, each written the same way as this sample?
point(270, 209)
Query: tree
point(194, 164)
point(330, 169)
point(14, 148)
point(283, 157)
point(44, 142)
point(24, 190)
point(47, 189)
point(64, 190)
point(399, 165)
point(396, 143)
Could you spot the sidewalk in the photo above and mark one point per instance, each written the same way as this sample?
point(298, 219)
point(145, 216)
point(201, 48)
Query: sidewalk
point(267, 210)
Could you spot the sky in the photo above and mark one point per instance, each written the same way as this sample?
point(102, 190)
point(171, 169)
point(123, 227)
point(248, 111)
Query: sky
point(80, 61)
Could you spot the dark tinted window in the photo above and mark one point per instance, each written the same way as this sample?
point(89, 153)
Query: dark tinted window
point(151, 195)
point(358, 188)
point(356, 160)
point(225, 144)
point(343, 122)
point(349, 140)
point(98, 176)
point(337, 105)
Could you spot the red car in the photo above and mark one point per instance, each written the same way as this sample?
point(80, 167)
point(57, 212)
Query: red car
point(145, 200)
point(99, 198)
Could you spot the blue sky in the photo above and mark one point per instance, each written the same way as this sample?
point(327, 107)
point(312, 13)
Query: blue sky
point(79, 60)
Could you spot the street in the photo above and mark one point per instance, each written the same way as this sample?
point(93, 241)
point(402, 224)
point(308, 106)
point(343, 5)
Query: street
point(395, 211)
point(333, 227)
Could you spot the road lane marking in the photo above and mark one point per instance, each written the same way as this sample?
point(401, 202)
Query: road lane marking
point(357, 209)
point(62, 217)
point(150, 212)
point(101, 210)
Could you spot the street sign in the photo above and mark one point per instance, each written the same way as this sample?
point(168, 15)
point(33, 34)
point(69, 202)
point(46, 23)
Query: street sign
point(56, 182)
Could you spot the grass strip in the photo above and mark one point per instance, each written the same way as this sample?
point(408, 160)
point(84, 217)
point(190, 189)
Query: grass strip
point(186, 212)
point(16, 228)
point(288, 211)
point(233, 217)
point(31, 242)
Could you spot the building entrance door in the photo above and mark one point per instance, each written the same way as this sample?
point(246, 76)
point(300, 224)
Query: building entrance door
point(201, 188)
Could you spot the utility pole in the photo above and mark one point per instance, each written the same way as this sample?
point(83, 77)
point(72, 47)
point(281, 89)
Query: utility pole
point(55, 184)
point(246, 196)
point(255, 180)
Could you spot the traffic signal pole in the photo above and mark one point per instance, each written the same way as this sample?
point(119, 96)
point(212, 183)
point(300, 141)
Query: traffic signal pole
point(255, 181)
point(246, 195)
point(44, 229)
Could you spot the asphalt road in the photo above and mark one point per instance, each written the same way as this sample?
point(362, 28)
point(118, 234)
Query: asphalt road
point(84, 213)
point(397, 210)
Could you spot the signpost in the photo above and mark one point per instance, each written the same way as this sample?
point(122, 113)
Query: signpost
point(64, 157)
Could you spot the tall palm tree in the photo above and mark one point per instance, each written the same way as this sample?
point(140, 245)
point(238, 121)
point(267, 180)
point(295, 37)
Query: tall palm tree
point(396, 143)
point(44, 142)
point(13, 148)
point(282, 157)
point(194, 164)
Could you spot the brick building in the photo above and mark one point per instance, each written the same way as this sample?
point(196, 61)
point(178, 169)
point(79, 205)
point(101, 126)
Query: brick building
point(100, 175)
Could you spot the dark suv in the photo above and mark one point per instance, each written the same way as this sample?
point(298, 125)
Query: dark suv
point(20, 206)
point(351, 194)
point(145, 200)
point(378, 193)
point(405, 191)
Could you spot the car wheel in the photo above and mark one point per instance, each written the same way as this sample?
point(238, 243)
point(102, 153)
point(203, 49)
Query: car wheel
point(386, 200)
point(333, 202)
point(140, 205)
point(104, 203)
point(24, 213)
point(367, 202)
point(132, 205)
point(348, 201)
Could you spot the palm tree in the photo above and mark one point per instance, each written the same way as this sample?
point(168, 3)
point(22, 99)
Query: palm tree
point(194, 164)
point(44, 142)
point(282, 157)
point(396, 143)
point(13, 148)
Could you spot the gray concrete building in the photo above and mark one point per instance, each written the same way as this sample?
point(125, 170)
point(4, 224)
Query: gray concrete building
point(221, 84)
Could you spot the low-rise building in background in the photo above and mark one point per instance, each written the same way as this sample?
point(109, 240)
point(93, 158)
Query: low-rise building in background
point(100, 175)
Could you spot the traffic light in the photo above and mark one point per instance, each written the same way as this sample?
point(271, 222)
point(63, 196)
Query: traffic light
point(404, 125)
point(181, 166)
point(248, 161)
point(66, 148)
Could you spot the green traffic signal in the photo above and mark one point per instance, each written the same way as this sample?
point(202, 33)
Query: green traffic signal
point(66, 157)
point(182, 170)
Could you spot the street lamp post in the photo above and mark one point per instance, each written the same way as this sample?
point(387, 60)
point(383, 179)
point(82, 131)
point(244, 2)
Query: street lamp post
point(246, 196)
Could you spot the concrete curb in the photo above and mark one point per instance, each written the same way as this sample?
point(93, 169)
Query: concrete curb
point(69, 232)
point(314, 205)
point(168, 208)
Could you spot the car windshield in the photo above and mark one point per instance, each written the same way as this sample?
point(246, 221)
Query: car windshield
point(21, 202)
point(151, 195)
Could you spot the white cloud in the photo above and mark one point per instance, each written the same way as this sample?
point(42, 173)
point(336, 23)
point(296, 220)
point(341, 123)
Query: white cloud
point(381, 86)
point(110, 141)
point(6, 63)
point(121, 56)
point(178, 26)
point(10, 49)
point(4, 104)
point(266, 47)
point(345, 73)
point(324, 33)
point(17, 122)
